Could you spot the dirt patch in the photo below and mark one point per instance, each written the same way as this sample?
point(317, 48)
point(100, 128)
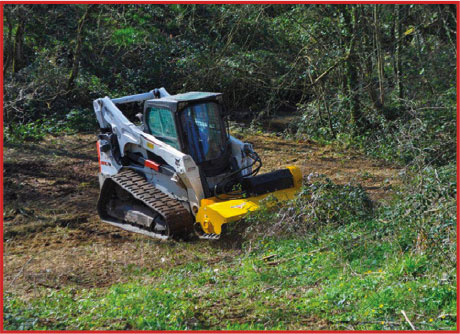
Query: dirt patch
point(377, 177)
point(53, 237)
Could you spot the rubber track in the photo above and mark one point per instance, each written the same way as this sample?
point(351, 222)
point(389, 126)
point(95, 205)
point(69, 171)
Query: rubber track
point(175, 215)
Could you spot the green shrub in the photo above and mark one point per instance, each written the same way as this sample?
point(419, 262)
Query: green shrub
point(321, 202)
point(33, 131)
point(423, 214)
point(81, 120)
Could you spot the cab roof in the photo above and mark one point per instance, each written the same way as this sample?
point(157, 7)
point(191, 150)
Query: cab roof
point(172, 101)
point(191, 96)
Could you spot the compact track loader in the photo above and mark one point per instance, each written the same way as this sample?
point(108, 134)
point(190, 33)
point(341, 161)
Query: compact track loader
point(179, 171)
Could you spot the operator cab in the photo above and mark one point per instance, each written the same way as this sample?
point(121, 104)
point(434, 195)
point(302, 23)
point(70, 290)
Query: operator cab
point(193, 124)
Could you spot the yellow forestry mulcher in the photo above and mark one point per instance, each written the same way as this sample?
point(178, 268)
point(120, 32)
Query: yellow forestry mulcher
point(179, 170)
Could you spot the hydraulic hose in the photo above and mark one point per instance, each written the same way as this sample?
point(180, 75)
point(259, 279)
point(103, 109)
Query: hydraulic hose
point(228, 180)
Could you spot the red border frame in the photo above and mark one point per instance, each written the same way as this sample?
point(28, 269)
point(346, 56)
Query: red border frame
point(227, 2)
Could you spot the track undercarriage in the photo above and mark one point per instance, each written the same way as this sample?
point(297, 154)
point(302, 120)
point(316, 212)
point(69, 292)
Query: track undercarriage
point(128, 201)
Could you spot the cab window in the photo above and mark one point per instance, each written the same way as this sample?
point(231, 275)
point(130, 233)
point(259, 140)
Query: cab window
point(204, 131)
point(161, 124)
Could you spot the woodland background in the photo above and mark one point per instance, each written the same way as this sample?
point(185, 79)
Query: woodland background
point(375, 79)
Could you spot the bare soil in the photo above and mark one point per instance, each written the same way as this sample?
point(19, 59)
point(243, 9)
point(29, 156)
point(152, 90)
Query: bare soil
point(53, 237)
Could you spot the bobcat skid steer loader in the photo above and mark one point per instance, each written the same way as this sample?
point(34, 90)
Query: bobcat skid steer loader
point(179, 171)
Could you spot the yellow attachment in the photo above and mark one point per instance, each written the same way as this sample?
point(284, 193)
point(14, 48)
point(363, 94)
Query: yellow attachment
point(213, 212)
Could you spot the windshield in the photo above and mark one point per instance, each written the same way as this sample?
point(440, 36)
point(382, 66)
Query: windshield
point(161, 124)
point(204, 130)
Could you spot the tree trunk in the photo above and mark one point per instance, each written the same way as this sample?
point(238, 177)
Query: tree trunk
point(8, 48)
point(18, 54)
point(328, 110)
point(379, 56)
point(398, 67)
point(351, 19)
point(76, 54)
point(370, 62)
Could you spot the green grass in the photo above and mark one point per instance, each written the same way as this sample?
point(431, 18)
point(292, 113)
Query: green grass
point(336, 278)
point(356, 269)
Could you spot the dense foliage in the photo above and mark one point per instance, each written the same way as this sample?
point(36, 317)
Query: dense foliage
point(378, 76)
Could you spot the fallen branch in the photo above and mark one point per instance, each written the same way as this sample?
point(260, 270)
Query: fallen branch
point(268, 257)
point(337, 63)
point(275, 263)
point(407, 319)
point(21, 270)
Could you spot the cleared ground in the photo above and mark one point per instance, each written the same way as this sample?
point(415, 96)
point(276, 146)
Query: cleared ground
point(54, 239)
